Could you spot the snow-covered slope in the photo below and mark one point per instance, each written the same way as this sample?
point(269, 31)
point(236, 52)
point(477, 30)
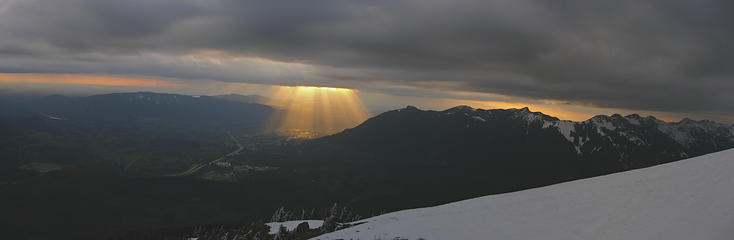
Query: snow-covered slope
point(689, 199)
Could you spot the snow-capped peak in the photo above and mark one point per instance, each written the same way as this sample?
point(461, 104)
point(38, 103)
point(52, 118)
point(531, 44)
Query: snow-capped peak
point(687, 131)
point(634, 119)
point(614, 130)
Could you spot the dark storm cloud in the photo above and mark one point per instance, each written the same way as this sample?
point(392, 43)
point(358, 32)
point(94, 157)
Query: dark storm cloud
point(650, 55)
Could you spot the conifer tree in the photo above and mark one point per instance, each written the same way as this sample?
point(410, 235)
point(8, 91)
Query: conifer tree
point(330, 221)
point(282, 233)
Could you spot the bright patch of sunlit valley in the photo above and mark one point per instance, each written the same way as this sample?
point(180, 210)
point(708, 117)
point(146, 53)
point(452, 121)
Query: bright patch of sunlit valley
point(308, 111)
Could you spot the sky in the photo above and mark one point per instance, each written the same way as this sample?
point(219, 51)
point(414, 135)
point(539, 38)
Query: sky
point(570, 59)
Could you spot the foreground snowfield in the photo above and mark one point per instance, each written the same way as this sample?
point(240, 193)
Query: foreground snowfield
point(689, 199)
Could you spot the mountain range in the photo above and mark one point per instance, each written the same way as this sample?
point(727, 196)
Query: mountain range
point(227, 111)
point(412, 157)
point(107, 145)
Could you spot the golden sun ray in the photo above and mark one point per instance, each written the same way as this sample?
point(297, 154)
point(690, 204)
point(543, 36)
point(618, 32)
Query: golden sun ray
point(308, 112)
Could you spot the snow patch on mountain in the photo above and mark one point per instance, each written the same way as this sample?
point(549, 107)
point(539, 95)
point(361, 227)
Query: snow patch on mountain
point(634, 139)
point(634, 119)
point(565, 127)
point(690, 199)
point(602, 122)
point(527, 115)
point(52, 117)
point(685, 131)
point(679, 135)
point(632, 128)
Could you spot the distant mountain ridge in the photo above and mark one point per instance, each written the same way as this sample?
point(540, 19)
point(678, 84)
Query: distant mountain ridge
point(411, 158)
point(600, 133)
point(695, 137)
point(145, 105)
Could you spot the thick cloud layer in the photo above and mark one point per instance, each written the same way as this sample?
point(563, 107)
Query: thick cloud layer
point(673, 55)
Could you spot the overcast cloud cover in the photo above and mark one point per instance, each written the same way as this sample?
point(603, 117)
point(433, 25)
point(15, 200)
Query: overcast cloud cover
point(667, 55)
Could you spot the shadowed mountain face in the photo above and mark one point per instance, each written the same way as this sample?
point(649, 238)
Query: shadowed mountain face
point(624, 142)
point(405, 157)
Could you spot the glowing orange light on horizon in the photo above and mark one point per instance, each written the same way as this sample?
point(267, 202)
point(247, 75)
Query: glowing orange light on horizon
point(83, 79)
point(309, 111)
point(559, 111)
